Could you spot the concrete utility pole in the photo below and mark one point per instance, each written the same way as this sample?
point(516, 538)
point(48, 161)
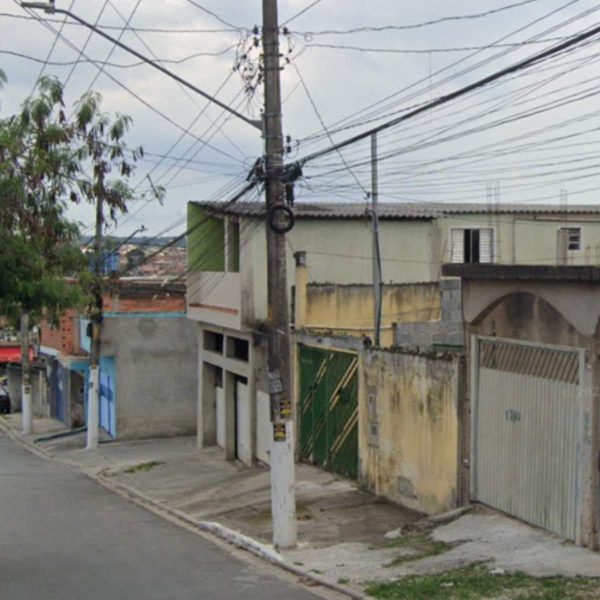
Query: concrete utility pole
point(26, 412)
point(376, 249)
point(96, 321)
point(283, 501)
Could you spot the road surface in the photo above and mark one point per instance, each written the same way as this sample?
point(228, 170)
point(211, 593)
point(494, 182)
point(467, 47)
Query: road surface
point(65, 537)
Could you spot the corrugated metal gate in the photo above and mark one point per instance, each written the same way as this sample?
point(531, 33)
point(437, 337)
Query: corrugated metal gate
point(328, 410)
point(526, 429)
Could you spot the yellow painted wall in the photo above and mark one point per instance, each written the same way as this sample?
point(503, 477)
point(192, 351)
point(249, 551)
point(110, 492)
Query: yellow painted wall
point(408, 429)
point(348, 309)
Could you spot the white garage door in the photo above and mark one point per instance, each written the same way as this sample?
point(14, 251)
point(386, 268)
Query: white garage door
point(526, 431)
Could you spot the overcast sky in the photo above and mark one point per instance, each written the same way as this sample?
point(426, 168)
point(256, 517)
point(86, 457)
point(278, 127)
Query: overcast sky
point(530, 138)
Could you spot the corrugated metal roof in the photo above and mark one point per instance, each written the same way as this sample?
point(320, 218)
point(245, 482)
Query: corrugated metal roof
point(400, 210)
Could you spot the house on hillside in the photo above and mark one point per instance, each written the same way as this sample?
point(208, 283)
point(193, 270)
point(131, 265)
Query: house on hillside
point(227, 286)
point(148, 363)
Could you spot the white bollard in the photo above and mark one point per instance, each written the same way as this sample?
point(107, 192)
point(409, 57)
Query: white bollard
point(26, 412)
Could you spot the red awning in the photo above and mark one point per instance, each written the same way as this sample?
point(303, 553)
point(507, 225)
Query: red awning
point(12, 354)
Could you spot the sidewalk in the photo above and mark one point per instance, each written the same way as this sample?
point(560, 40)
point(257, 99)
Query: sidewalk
point(346, 537)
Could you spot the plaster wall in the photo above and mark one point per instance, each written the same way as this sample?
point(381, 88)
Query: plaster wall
point(348, 309)
point(156, 361)
point(409, 429)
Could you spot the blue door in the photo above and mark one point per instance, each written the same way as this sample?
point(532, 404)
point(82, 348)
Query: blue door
point(107, 395)
point(57, 390)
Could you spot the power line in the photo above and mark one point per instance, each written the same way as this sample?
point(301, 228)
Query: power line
point(166, 61)
point(460, 73)
point(85, 45)
point(419, 25)
point(137, 29)
point(523, 64)
point(432, 50)
point(304, 10)
point(318, 114)
point(52, 47)
point(214, 15)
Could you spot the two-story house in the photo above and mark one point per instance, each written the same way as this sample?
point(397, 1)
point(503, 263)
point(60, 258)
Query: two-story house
point(147, 362)
point(227, 281)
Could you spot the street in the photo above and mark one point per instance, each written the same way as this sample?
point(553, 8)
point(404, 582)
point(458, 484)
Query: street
point(62, 536)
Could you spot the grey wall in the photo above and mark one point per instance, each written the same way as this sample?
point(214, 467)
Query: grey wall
point(156, 362)
point(427, 334)
point(13, 373)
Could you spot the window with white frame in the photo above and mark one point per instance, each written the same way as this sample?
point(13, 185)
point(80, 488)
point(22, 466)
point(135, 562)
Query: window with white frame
point(572, 237)
point(472, 245)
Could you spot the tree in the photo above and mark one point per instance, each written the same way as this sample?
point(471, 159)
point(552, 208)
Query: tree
point(38, 244)
point(46, 162)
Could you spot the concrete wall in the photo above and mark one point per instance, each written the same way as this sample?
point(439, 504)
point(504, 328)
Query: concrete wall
point(39, 392)
point(409, 428)
point(156, 360)
point(447, 331)
point(348, 309)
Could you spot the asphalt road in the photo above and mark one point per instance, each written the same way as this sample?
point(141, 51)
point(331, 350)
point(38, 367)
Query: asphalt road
point(63, 537)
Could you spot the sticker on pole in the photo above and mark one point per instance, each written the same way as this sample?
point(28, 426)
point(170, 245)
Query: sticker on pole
point(275, 383)
point(285, 408)
point(279, 432)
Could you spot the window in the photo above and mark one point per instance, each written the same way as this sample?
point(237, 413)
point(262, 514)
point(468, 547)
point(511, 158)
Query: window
point(572, 237)
point(472, 245)
point(237, 348)
point(213, 341)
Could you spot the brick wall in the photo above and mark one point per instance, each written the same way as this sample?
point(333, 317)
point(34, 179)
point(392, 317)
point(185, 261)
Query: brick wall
point(148, 304)
point(61, 337)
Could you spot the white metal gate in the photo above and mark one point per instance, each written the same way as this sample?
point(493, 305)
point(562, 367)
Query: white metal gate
point(526, 431)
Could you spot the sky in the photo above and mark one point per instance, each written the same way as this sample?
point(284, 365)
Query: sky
point(347, 66)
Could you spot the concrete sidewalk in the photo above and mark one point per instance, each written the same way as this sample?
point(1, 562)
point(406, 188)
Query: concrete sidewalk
point(346, 536)
point(203, 485)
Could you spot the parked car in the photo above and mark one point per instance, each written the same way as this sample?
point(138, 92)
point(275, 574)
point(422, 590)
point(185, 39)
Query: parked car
point(4, 401)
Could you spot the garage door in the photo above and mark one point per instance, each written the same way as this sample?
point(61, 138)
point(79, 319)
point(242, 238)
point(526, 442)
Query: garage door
point(526, 431)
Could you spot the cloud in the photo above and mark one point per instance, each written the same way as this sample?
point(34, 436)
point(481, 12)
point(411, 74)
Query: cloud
point(341, 82)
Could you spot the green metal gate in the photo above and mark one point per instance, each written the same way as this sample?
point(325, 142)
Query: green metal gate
point(328, 409)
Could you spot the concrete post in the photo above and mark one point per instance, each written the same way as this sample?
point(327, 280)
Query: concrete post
point(300, 285)
point(26, 408)
point(229, 382)
point(93, 408)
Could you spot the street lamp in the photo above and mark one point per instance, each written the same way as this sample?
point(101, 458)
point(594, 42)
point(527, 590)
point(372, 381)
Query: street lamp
point(50, 8)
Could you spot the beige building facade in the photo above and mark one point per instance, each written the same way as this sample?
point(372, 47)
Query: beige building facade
point(227, 283)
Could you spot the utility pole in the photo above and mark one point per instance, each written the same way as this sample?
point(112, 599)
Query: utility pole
point(26, 412)
point(376, 249)
point(283, 501)
point(96, 322)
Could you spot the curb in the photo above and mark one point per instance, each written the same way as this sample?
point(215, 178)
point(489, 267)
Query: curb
point(19, 438)
point(236, 538)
